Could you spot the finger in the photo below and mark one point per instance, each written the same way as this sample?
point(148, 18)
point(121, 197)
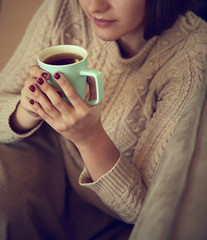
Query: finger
point(69, 91)
point(92, 88)
point(27, 106)
point(38, 72)
point(44, 101)
point(37, 108)
point(87, 92)
point(54, 95)
point(29, 81)
point(26, 92)
point(44, 115)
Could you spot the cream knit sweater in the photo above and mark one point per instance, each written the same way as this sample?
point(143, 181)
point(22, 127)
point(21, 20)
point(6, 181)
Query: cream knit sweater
point(144, 97)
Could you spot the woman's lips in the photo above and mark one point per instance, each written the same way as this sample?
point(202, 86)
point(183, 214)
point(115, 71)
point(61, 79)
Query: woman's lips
point(101, 22)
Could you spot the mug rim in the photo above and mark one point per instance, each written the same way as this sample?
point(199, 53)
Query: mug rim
point(61, 49)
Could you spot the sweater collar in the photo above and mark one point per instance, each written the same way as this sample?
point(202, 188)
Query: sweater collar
point(166, 41)
point(115, 57)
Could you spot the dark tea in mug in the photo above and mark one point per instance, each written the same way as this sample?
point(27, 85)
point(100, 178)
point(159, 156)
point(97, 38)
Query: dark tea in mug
point(63, 59)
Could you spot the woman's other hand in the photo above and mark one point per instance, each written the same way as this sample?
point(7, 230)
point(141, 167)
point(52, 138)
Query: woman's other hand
point(25, 117)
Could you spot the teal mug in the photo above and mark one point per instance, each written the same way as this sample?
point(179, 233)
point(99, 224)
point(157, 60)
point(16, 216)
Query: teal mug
point(71, 60)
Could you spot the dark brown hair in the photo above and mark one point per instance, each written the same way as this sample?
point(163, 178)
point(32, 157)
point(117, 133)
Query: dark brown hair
point(162, 14)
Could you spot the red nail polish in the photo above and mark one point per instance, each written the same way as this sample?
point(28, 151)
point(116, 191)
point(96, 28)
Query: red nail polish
point(32, 88)
point(40, 81)
point(57, 76)
point(44, 75)
point(31, 101)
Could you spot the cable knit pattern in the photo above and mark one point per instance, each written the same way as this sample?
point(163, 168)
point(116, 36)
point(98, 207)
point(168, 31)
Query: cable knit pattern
point(144, 97)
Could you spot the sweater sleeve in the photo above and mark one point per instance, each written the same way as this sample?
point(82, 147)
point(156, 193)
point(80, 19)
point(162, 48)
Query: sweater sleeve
point(171, 90)
point(121, 189)
point(36, 38)
point(124, 187)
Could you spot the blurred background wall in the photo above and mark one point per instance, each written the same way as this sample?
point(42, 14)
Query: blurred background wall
point(14, 18)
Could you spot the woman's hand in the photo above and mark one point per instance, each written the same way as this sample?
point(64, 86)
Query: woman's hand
point(74, 121)
point(25, 117)
point(78, 122)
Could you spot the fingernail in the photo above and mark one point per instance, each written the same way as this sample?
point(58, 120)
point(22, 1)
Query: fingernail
point(57, 76)
point(32, 88)
point(40, 81)
point(31, 101)
point(44, 75)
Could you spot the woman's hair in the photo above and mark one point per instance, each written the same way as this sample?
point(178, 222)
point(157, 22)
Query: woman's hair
point(162, 14)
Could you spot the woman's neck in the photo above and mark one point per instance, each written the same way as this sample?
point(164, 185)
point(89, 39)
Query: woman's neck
point(130, 45)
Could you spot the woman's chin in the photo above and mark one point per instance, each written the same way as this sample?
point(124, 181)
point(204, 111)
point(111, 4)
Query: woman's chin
point(106, 35)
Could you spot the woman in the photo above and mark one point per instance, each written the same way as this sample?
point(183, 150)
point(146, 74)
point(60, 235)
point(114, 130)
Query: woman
point(152, 63)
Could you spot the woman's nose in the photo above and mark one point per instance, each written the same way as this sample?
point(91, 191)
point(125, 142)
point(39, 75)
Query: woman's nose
point(95, 6)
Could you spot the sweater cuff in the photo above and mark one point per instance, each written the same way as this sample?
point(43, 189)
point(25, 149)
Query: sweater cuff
point(112, 184)
point(20, 136)
point(8, 135)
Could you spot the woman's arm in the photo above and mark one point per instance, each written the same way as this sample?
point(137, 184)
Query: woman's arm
point(123, 188)
point(81, 124)
point(37, 37)
point(78, 122)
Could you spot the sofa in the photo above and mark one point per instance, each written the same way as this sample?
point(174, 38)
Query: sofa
point(175, 207)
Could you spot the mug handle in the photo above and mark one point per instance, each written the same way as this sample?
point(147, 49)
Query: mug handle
point(97, 75)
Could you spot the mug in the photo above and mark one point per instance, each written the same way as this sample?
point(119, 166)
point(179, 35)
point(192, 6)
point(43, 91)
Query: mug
point(71, 61)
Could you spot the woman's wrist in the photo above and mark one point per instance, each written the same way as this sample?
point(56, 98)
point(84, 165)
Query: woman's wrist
point(98, 152)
